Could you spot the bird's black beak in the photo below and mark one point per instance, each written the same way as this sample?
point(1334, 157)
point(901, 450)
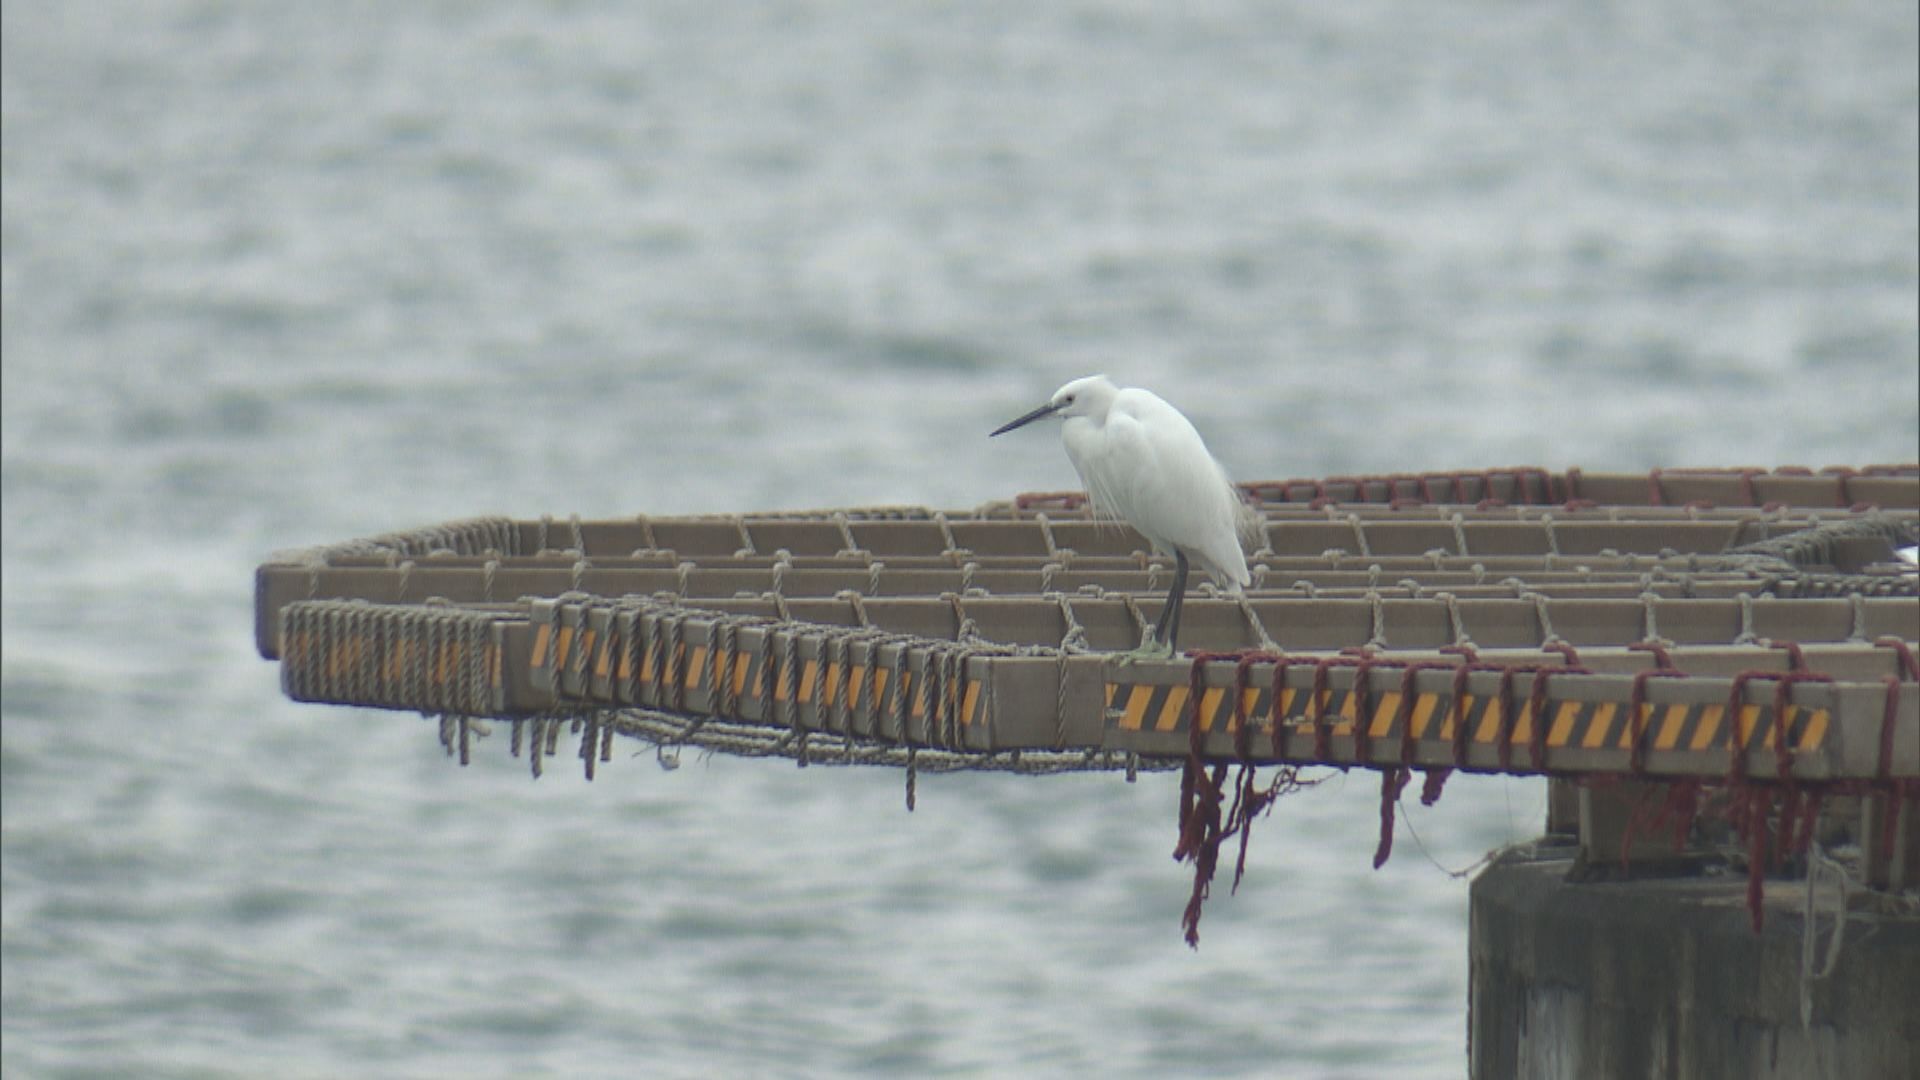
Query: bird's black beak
point(1044, 410)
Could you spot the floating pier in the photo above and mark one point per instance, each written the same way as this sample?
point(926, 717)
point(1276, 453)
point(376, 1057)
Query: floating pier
point(1715, 668)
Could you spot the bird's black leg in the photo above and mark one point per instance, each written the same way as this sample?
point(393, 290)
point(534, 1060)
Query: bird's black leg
point(1167, 630)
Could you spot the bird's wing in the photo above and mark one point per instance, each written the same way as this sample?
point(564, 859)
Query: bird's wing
point(1176, 493)
point(1103, 496)
point(1087, 449)
point(1121, 463)
point(1250, 524)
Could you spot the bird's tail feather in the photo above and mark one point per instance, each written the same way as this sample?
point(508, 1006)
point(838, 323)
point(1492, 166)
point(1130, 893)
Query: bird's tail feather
point(1248, 523)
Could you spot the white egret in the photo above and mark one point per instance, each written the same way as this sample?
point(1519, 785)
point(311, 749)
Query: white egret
point(1144, 463)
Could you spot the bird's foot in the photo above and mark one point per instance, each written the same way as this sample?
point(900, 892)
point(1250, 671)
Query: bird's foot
point(1150, 649)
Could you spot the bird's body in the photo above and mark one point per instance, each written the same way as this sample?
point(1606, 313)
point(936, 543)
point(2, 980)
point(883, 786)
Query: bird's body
point(1144, 463)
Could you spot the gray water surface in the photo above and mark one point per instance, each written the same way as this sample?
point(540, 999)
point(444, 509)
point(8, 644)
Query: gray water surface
point(279, 274)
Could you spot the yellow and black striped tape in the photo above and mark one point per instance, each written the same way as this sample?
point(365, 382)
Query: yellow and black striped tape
point(1589, 724)
point(695, 668)
point(339, 657)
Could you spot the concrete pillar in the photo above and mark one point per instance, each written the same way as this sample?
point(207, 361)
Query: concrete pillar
point(1666, 978)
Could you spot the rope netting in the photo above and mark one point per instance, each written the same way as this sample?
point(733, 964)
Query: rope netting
point(439, 660)
point(668, 734)
point(1815, 545)
point(444, 659)
point(1771, 820)
point(472, 536)
point(433, 657)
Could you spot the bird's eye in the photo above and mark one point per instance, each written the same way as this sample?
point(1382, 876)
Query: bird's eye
point(1068, 400)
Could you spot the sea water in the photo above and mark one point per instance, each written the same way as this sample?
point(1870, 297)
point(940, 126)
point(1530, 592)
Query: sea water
point(279, 274)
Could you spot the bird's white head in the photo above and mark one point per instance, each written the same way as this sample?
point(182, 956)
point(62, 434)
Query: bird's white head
point(1090, 396)
point(1087, 396)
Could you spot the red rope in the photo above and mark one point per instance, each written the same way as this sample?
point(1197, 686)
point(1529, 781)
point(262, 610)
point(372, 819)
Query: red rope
point(1662, 659)
point(1537, 708)
point(1567, 652)
point(1637, 716)
point(1782, 744)
point(1202, 829)
point(1736, 745)
point(1883, 769)
point(1508, 721)
point(1042, 500)
point(1845, 476)
point(1809, 817)
point(1458, 710)
point(1391, 782)
point(1680, 807)
point(1909, 789)
point(1410, 690)
point(1242, 735)
point(1747, 813)
point(1796, 657)
point(1322, 738)
point(1279, 713)
point(1193, 774)
point(1770, 834)
point(1760, 802)
point(1363, 712)
point(1909, 664)
point(1646, 814)
point(1436, 780)
point(1736, 706)
point(1789, 817)
point(1206, 855)
point(1530, 485)
point(1247, 804)
point(1753, 802)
